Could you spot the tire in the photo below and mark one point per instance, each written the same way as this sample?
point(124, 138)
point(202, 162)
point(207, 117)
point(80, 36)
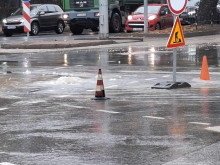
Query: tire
point(115, 23)
point(95, 29)
point(60, 27)
point(8, 34)
point(157, 27)
point(76, 29)
point(34, 29)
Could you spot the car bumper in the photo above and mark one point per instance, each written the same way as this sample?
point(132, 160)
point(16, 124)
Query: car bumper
point(86, 19)
point(85, 22)
point(13, 28)
point(138, 26)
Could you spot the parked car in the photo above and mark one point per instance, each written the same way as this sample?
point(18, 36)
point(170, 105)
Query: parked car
point(188, 17)
point(159, 17)
point(43, 17)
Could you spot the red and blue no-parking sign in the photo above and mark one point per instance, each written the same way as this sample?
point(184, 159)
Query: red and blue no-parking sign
point(26, 14)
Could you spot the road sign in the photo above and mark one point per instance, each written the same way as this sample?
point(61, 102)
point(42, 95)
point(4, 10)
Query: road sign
point(177, 6)
point(176, 37)
point(26, 0)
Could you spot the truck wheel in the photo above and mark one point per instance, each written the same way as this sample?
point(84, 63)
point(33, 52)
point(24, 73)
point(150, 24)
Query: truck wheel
point(34, 29)
point(60, 27)
point(95, 29)
point(115, 23)
point(76, 29)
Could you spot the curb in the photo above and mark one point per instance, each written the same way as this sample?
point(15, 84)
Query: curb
point(39, 44)
point(55, 44)
point(187, 34)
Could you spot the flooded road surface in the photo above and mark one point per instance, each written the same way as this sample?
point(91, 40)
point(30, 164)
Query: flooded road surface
point(47, 116)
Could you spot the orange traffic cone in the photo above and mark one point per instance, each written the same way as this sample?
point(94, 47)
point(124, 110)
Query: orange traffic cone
point(100, 92)
point(205, 70)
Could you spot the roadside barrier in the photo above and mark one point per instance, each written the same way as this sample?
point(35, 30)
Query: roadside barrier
point(26, 14)
point(205, 70)
point(100, 92)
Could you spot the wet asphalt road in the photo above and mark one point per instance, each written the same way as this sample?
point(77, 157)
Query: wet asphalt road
point(47, 116)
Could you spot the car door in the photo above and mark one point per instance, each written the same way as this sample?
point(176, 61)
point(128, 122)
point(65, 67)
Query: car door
point(53, 15)
point(166, 17)
point(43, 16)
point(169, 18)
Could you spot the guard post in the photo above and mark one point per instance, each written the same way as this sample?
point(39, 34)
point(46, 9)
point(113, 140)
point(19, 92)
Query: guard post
point(26, 14)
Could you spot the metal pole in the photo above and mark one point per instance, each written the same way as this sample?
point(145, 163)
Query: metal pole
point(174, 64)
point(103, 19)
point(145, 16)
point(28, 36)
point(174, 57)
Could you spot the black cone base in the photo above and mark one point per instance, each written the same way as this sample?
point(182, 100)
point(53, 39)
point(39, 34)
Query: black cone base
point(100, 98)
point(171, 85)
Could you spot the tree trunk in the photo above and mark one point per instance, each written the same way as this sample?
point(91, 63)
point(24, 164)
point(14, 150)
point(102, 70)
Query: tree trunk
point(207, 11)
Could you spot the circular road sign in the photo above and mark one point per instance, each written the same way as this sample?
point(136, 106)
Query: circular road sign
point(177, 6)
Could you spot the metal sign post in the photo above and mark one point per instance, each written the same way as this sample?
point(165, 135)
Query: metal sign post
point(145, 16)
point(176, 40)
point(174, 58)
point(103, 19)
point(174, 64)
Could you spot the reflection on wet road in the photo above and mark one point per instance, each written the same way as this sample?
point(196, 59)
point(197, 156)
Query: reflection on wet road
point(47, 116)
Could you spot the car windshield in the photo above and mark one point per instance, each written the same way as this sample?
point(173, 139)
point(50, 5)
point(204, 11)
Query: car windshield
point(19, 11)
point(151, 10)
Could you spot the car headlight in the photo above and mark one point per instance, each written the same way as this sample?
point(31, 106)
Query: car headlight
point(152, 17)
point(130, 17)
point(65, 16)
point(4, 21)
point(97, 14)
point(21, 20)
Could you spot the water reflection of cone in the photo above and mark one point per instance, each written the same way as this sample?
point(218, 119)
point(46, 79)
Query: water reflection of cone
point(100, 92)
point(205, 70)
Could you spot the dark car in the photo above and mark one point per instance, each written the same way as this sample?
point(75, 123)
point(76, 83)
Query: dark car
point(188, 17)
point(43, 17)
point(159, 17)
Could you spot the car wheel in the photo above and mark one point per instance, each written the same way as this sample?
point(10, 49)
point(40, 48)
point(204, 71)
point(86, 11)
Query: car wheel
point(60, 27)
point(115, 23)
point(95, 29)
point(157, 27)
point(34, 28)
point(8, 34)
point(76, 29)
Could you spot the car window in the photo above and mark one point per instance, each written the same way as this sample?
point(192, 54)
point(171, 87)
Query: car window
point(151, 10)
point(58, 9)
point(43, 8)
point(165, 9)
point(51, 9)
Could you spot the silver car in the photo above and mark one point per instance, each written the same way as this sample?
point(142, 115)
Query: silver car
point(43, 17)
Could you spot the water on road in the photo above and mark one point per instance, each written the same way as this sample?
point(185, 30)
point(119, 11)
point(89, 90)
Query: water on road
point(47, 116)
